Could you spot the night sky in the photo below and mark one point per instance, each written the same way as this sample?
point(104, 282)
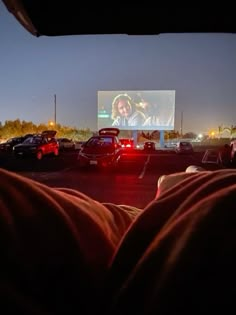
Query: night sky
point(201, 68)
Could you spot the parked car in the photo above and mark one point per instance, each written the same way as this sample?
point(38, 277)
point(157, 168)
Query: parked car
point(149, 146)
point(10, 143)
point(79, 144)
point(127, 143)
point(103, 150)
point(233, 151)
point(184, 147)
point(38, 145)
point(66, 144)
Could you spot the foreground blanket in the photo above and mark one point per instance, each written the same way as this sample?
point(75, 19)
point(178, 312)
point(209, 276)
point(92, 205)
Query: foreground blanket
point(179, 255)
point(56, 245)
point(65, 253)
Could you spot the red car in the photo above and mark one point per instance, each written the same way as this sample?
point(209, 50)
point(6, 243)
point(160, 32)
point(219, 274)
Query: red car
point(38, 145)
point(127, 143)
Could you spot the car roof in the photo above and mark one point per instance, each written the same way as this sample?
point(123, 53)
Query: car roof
point(15, 138)
point(59, 18)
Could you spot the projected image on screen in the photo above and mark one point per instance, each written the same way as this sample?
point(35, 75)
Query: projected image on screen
point(136, 110)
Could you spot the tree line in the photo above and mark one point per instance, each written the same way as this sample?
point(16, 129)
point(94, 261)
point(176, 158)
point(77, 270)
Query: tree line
point(16, 128)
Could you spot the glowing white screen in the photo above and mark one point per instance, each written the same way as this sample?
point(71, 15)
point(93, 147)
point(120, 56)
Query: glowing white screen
point(145, 110)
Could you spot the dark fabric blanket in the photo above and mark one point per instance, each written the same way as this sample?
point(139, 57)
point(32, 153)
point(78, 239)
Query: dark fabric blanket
point(179, 255)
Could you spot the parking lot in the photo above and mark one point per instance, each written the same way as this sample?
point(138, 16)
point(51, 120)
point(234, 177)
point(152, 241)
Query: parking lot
point(134, 182)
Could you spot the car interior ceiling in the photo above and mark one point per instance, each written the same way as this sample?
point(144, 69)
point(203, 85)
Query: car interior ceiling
point(50, 18)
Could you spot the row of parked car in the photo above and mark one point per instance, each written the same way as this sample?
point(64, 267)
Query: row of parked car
point(38, 145)
point(104, 149)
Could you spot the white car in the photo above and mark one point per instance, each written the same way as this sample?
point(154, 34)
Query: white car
point(66, 144)
point(184, 147)
point(79, 144)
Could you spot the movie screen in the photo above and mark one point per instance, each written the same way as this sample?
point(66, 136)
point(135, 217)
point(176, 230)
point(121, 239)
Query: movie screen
point(136, 110)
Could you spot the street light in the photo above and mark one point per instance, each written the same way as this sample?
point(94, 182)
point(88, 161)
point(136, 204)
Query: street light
point(213, 134)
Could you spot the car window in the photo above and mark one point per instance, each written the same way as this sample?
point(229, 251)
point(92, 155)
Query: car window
point(33, 140)
point(93, 142)
point(106, 141)
point(102, 141)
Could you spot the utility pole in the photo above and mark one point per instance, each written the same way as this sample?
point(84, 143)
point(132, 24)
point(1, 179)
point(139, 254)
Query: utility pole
point(181, 123)
point(55, 109)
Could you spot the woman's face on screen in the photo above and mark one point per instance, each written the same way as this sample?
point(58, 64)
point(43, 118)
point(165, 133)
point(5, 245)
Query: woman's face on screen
point(124, 108)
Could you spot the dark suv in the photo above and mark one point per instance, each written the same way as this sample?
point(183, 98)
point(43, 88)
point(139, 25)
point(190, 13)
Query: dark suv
point(103, 150)
point(38, 145)
point(10, 143)
point(149, 146)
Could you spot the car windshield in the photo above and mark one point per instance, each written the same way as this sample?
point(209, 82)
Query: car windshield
point(100, 142)
point(33, 140)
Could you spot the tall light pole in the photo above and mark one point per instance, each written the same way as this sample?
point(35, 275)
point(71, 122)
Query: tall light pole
point(55, 109)
point(181, 123)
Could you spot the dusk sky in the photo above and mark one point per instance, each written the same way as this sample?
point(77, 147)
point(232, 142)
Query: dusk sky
point(201, 68)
